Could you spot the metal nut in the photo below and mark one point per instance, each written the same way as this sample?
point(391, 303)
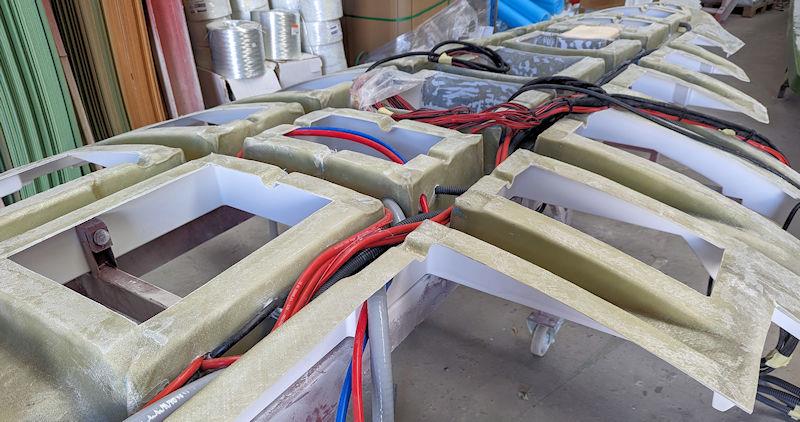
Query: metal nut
point(101, 237)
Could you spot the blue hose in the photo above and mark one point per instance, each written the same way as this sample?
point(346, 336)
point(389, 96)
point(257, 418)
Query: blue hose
point(344, 396)
point(362, 134)
point(347, 388)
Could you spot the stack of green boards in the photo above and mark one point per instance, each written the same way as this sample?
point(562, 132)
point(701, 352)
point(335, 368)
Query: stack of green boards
point(36, 115)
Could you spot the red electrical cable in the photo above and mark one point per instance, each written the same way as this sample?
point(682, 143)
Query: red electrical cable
point(178, 382)
point(297, 289)
point(771, 151)
point(348, 137)
point(357, 392)
point(217, 363)
point(515, 117)
point(423, 203)
point(328, 262)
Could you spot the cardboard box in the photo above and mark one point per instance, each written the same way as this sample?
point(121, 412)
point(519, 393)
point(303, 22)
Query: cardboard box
point(218, 90)
point(369, 24)
point(292, 72)
point(591, 5)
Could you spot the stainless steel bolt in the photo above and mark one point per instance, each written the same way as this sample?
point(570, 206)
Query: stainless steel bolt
point(101, 237)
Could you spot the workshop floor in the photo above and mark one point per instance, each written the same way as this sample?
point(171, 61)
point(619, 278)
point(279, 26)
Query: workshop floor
point(470, 360)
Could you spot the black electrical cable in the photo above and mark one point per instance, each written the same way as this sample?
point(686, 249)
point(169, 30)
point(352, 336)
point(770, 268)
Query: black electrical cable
point(352, 266)
point(780, 407)
point(363, 258)
point(599, 93)
point(782, 396)
point(685, 113)
point(624, 65)
point(417, 218)
point(790, 217)
point(257, 319)
point(638, 102)
point(612, 100)
point(786, 385)
point(449, 190)
point(498, 64)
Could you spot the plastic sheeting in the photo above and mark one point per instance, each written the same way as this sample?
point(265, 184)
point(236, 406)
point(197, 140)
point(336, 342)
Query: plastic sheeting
point(459, 20)
point(429, 89)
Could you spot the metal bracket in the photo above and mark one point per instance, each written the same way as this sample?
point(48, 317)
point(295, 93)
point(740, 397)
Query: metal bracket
point(112, 287)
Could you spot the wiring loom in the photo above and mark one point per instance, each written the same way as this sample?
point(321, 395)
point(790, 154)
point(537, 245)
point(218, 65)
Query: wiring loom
point(450, 56)
point(521, 125)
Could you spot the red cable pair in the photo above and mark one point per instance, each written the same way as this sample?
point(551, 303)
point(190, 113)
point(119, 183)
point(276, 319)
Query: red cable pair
point(197, 364)
point(358, 356)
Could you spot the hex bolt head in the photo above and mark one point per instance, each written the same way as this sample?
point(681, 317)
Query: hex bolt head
point(101, 237)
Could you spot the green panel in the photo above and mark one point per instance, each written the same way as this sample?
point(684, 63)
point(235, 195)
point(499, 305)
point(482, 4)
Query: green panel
point(36, 113)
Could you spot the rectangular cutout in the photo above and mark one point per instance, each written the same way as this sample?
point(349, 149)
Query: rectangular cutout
point(543, 185)
point(146, 218)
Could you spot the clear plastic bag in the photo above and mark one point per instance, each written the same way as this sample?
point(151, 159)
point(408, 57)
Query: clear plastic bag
point(429, 89)
point(457, 21)
point(380, 84)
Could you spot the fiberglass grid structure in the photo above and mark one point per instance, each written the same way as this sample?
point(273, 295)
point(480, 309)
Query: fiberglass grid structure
point(559, 41)
point(443, 91)
point(529, 64)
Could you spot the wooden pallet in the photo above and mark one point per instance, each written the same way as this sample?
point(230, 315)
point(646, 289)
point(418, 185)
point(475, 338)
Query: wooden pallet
point(756, 8)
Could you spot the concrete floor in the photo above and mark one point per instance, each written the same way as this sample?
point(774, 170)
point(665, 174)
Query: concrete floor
point(470, 360)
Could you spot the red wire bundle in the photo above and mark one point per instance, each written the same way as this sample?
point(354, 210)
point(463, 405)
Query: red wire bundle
point(199, 363)
point(318, 272)
point(513, 117)
point(329, 261)
point(516, 117)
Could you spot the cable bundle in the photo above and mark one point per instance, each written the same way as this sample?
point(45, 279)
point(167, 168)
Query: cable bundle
point(496, 63)
point(281, 34)
point(237, 49)
point(521, 125)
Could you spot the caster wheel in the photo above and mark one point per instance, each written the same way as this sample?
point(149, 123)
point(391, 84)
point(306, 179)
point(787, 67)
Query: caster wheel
point(543, 337)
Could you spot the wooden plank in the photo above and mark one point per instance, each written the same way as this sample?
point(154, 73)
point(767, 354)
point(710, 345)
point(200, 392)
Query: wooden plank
point(173, 51)
point(130, 47)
